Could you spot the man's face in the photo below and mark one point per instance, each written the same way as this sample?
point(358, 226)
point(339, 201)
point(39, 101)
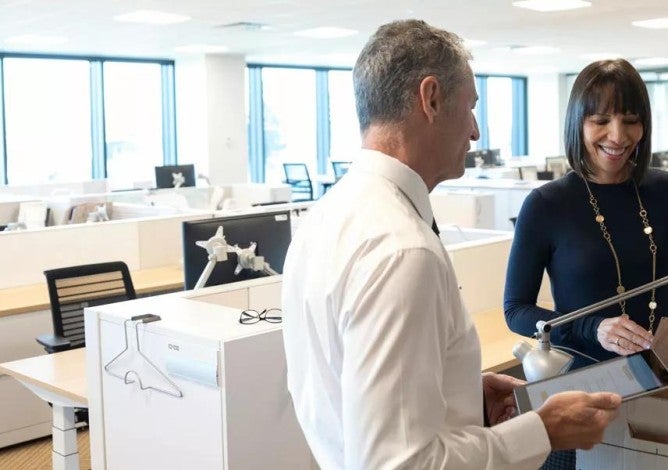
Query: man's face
point(459, 127)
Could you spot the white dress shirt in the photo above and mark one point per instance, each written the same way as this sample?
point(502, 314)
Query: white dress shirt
point(383, 360)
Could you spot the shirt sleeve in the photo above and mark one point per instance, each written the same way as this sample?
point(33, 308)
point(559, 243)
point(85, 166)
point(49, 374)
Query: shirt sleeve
point(396, 368)
point(530, 254)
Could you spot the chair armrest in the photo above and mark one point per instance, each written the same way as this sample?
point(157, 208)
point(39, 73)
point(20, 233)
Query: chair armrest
point(53, 343)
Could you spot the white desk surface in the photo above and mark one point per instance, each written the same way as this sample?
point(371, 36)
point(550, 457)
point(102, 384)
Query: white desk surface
point(62, 373)
point(496, 340)
point(490, 183)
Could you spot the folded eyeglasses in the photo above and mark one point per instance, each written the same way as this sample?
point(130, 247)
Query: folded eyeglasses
point(271, 315)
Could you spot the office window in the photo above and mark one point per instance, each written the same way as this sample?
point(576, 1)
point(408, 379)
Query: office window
point(47, 119)
point(308, 115)
point(499, 114)
point(344, 131)
point(658, 96)
point(133, 121)
point(502, 115)
point(289, 119)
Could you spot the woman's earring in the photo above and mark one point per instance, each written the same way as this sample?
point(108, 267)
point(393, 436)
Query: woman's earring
point(634, 161)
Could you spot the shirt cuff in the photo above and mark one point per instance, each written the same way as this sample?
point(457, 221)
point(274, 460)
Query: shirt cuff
point(525, 439)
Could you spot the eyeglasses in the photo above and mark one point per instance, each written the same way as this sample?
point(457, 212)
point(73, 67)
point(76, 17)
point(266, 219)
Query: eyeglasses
point(271, 315)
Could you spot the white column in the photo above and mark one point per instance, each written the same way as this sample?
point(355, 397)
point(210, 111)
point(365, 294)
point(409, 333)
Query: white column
point(546, 109)
point(211, 116)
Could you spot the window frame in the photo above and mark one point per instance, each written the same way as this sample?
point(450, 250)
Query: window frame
point(256, 134)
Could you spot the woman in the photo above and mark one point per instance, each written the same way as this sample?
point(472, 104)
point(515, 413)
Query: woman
point(599, 230)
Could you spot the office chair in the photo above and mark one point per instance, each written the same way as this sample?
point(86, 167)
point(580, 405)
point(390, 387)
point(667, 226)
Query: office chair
point(545, 175)
point(340, 169)
point(72, 289)
point(296, 175)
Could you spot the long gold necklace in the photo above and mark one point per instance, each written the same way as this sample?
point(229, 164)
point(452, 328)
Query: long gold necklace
point(647, 229)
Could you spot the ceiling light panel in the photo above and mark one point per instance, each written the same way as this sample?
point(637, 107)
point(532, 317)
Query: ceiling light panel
point(552, 5)
point(654, 23)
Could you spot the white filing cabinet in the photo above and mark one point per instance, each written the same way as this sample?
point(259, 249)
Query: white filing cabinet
point(235, 411)
point(471, 209)
point(636, 440)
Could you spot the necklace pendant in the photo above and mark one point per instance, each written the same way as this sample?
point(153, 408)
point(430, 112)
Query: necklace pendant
point(600, 218)
point(652, 305)
point(647, 230)
point(621, 289)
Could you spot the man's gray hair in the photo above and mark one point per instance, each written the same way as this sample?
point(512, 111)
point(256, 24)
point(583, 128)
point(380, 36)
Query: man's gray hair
point(395, 60)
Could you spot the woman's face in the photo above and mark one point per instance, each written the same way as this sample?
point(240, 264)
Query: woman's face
point(610, 140)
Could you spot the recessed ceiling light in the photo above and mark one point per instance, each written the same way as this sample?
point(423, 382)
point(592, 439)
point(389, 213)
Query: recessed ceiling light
point(473, 43)
point(654, 23)
point(652, 61)
point(152, 17)
point(552, 5)
point(36, 40)
point(326, 32)
point(535, 50)
point(202, 49)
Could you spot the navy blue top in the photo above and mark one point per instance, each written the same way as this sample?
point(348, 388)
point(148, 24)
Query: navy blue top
point(556, 231)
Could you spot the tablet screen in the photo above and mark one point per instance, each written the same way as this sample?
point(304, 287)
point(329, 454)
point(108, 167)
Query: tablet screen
point(628, 376)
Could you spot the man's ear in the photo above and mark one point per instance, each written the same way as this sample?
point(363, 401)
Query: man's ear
point(431, 97)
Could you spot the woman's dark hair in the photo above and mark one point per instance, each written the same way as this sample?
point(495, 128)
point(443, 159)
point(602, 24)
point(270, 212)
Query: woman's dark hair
point(602, 87)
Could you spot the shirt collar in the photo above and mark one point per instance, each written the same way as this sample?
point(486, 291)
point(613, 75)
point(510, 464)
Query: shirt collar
point(406, 179)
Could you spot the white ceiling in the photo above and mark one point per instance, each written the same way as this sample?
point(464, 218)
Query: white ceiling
point(88, 25)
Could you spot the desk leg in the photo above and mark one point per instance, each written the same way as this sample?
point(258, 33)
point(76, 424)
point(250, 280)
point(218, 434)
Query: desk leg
point(65, 455)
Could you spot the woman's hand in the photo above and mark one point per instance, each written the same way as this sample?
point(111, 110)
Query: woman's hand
point(623, 336)
point(499, 397)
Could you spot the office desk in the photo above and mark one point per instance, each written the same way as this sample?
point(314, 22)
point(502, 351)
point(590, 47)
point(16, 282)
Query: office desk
point(59, 378)
point(35, 297)
point(496, 341)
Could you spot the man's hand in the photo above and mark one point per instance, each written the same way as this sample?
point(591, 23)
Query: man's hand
point(499, 398)
point(577, 420)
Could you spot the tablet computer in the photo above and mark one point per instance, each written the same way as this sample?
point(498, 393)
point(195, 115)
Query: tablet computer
point(631, 377)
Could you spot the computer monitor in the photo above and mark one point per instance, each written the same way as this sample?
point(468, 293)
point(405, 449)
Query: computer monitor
point(169, 176)
point(470, 162)
point(659, 160)
point(270, 230)
point(492, 157)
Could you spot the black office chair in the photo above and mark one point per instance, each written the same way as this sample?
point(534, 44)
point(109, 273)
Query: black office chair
point(72, 289)
point(297, 176)
point(545, 175)
point(340, 169)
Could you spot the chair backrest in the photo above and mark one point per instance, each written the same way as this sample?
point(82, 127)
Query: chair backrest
point(545, 175)
point(340, 168)
point(296, 175)
point(295, 172)
point(73, 288)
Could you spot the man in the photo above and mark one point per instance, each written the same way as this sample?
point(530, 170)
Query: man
point(383, 361)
